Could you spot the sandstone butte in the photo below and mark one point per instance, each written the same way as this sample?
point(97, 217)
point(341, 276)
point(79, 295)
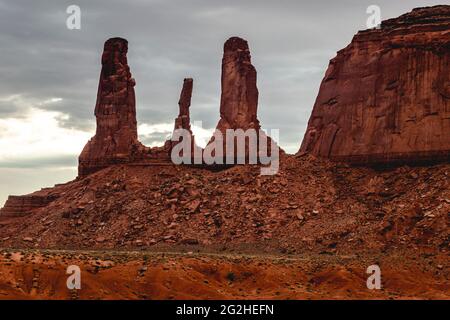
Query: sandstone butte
point(385, 98)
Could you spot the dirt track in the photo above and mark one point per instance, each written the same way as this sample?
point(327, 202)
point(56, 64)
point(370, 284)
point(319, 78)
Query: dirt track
point(34, 274)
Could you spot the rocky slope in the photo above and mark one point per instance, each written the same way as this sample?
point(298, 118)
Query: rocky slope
point(310, 205)
point(385, 98)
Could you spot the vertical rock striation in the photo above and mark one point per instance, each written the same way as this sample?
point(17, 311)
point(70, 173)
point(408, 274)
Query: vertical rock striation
point(385, 98)
point(115, 140)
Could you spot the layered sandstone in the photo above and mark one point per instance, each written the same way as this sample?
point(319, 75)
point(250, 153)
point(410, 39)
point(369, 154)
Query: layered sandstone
point(18, 206)
point(385, 98)
point(115, 140)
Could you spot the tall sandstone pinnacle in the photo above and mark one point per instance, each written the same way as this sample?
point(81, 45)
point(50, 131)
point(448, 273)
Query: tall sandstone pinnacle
point(115, 140)
point(239, 94)
point(385, 98)
point(183, 121)
point(239, 98)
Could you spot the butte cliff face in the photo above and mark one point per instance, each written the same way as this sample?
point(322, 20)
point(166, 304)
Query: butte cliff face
point(385, 98)
point(115, 140)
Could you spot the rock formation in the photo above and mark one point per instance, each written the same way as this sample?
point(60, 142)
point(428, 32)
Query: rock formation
point(115, 140)
point(239, 97)
point(183, 121)
point(385, 98)
point(18, 206)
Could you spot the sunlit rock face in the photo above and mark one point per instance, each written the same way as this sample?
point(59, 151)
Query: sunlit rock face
point(385, 98)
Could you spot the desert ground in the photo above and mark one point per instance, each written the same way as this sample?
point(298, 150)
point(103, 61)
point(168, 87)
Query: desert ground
point(41, 274)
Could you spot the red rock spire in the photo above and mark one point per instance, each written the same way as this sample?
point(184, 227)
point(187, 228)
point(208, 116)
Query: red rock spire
point(116, 136)
point(239, 94)
point(183, 120)
point(239, 99)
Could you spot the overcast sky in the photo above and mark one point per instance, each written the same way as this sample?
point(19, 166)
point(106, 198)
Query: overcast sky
point(49, 74)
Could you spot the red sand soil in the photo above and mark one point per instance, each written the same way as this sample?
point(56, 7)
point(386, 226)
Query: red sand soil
point(28, 274)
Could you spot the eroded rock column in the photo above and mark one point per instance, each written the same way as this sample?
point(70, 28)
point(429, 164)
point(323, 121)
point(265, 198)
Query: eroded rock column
point(239, 98)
